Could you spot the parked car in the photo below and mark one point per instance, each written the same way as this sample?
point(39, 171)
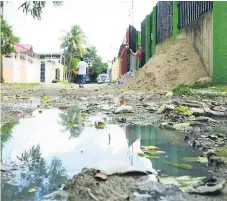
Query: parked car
point(103, 78)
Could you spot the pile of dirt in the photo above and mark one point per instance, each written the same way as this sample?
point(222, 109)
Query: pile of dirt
point(175, 65)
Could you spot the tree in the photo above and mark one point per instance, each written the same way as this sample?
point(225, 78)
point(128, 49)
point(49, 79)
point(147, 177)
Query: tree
point(7, 42)
point(35, 8)
point(98, 66)
point(73, 44)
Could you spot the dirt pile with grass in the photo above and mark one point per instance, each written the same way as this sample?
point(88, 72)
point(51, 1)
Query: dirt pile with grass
point(170, 67)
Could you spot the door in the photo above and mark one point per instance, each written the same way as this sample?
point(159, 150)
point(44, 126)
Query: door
point(42, 73)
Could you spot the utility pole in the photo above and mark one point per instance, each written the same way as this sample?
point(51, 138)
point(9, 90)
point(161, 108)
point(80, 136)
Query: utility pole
point(2, 6)
point(132, 13)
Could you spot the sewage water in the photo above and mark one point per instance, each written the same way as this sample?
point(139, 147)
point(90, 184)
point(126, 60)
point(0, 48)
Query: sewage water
point(40, 153)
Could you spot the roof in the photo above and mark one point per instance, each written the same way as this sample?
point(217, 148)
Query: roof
point(23, 47)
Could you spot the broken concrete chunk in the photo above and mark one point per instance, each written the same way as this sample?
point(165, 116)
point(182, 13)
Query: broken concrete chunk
point(124, 109)
point(207, 186)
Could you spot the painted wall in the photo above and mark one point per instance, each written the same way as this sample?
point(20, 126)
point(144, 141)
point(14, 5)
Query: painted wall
point(50, 71)
point(220, 41)
point(20, 68)
point(115, 70)
point(200, 32)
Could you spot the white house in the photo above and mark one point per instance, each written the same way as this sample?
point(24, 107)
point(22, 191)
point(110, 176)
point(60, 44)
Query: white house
point(51, 67)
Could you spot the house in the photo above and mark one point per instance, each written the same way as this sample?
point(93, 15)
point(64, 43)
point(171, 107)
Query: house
point(22, 66)
point(52, 67)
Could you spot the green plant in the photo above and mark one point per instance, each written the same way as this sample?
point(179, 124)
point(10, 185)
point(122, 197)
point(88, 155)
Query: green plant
point(182, 89)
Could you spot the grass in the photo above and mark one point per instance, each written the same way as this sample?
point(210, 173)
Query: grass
point(64, 82)
point(189, 90)
point(220, 88)
point(182, 89)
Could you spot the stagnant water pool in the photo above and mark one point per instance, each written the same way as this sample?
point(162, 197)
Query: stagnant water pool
point(40, 153)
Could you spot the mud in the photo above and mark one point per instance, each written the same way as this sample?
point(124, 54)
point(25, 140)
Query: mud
point(207, 136)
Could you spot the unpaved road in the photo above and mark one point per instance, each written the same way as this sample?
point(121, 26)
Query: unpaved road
point(208, 135)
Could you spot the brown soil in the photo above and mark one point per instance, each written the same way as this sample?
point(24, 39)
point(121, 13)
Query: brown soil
point(168, 68)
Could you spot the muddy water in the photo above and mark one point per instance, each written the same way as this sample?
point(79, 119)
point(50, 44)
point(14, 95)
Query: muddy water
point(40, 153)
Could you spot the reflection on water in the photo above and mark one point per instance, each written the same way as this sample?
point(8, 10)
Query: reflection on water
point(71, 120)
point(33, 173)
point(51, 146)
point(176, 149)
point(6, 131)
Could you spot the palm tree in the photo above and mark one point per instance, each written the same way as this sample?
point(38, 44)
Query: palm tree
point(73, 44)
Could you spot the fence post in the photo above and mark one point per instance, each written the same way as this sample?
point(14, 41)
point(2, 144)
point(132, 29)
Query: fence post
point(148, 40)
point(219, 42)
point(154, 25)
point(175, 19)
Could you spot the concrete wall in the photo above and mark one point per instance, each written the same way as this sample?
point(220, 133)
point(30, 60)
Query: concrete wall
point(115, 70)
point(21, 68)
point(200, 32)
point(50, 71)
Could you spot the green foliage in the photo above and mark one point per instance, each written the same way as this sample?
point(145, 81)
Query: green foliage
point(98, 66)
point(6, 131)
point(182, 89)
point(35, 8)
point(71, 120)
point(37, 173)
point(7, 38)
point(73, 43)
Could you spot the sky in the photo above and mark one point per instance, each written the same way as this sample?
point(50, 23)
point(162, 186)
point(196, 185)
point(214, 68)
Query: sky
point(103, 21)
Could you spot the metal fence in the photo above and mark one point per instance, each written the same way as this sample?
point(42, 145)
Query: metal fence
point(189, 11)
point(164, 20)
point(132, 38)
point(143, 40)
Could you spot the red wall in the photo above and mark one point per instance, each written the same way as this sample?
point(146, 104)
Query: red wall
point(123, 58)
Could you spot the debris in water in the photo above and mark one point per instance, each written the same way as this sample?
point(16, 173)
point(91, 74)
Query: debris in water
point(83, 115)
point(63, 107)
point(183, 166)
point(155, 152)
point(150, 147)
point(99, 125)
point(196, 159)
point(45, 98)
point(32, 190)
point(100, 177)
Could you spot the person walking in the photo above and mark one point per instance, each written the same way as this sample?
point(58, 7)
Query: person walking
point(82, 66)
point(138, 54)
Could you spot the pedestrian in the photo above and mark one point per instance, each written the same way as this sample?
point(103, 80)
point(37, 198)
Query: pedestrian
point(82, 66)
point(138, 54)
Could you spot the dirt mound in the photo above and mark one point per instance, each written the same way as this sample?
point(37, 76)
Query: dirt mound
point(168, 68)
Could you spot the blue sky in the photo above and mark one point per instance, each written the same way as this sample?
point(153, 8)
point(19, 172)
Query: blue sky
point(103, 21)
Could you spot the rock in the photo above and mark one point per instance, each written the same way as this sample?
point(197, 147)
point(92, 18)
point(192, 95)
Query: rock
point(169, 94)
point(198, 111)
point(207, 186)
point(121, 119)
point(213, 137)
point(124, 109)
point(216, 161)
point(100, 177)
